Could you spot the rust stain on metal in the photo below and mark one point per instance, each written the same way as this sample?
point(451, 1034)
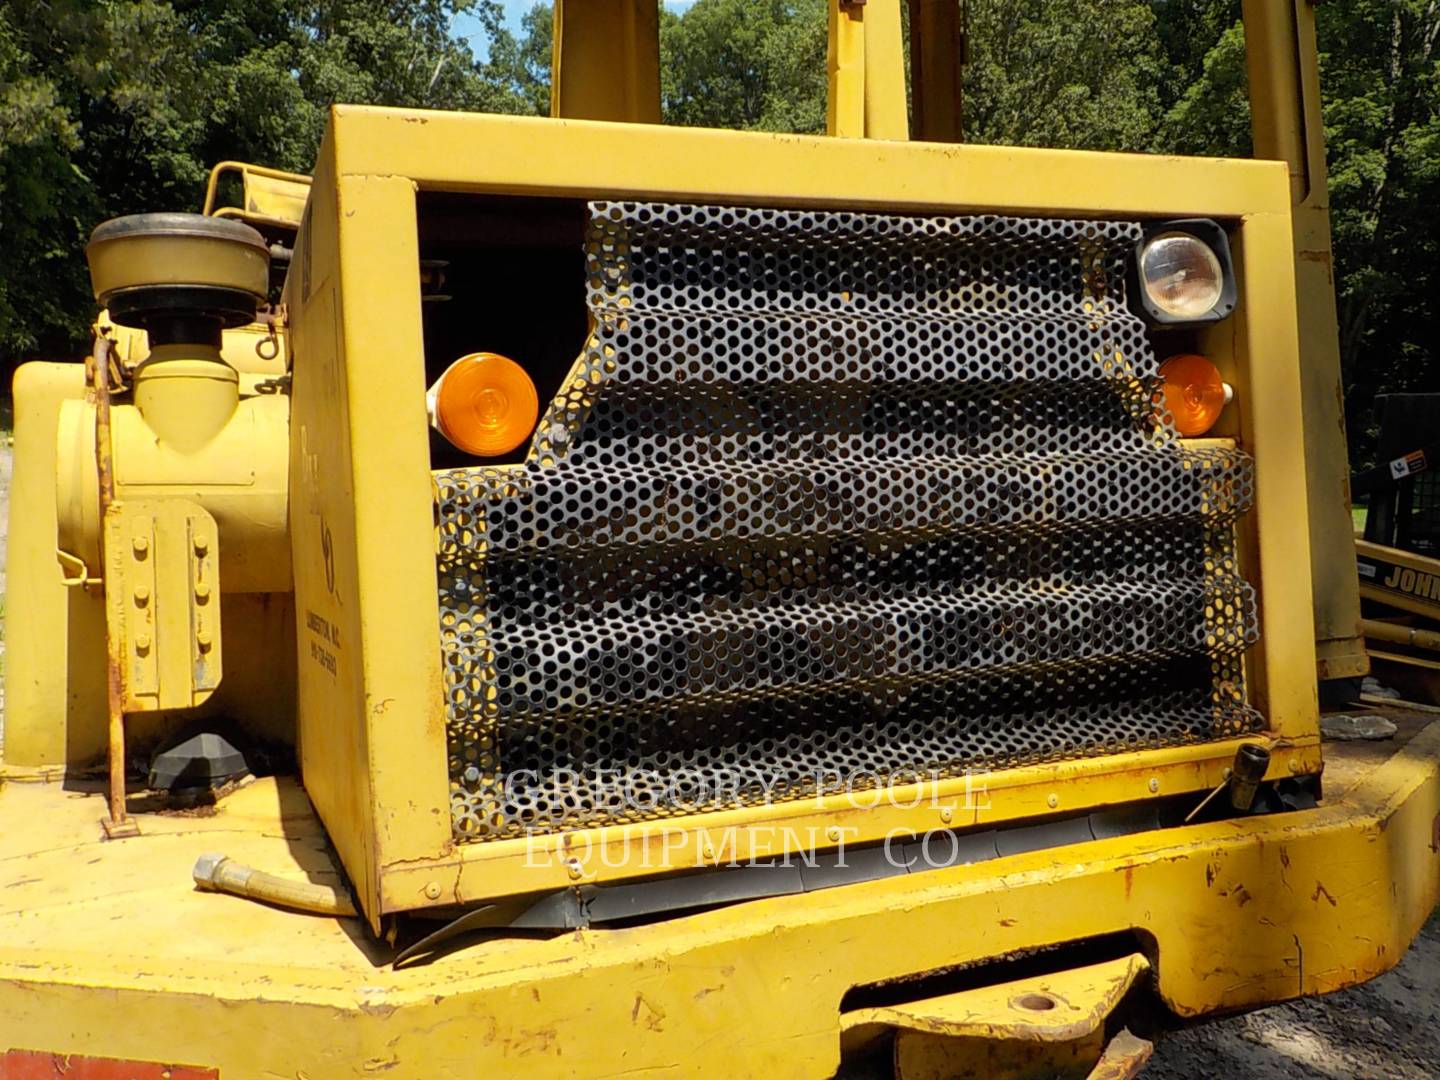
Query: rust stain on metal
point(117, 824)
point(45, 1065)
point(1240, 893)
point(652, 1017)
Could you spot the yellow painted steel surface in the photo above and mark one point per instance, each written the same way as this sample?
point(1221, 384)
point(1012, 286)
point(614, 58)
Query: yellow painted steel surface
point(1059, 1007)
point(240, 475)
point(371, 704)
point(866, 66)
point(1399, 579)
point(270, 196)
point(605, 60)
point(937, 33)
point(55, 634)
point(162, 602)
point(1285, 110)
point(107, 948)
point(1036, 1028)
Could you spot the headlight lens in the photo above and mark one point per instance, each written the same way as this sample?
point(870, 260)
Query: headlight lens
point(1181, 275)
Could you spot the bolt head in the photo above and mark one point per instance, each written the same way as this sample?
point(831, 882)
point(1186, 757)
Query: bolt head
point(205, 867)
point(947, 815)
point(142, 643)
point(432, 891)
point(1154, 785)
point(573, 865)
point(140, 545)
point(204, 640)
point(142, 595)
point(202, 591)
point(1052, 800)
point(202, 545)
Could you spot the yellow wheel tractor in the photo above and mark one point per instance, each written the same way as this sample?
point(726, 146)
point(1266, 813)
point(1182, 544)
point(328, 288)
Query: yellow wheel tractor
point(617, 599)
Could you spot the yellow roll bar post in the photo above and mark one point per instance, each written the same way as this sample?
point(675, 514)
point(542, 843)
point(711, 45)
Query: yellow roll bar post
point(864, 62)
point(1285, 118)
point(937, 53)
point(605, 61)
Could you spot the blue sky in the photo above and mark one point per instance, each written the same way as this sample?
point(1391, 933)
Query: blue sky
point(514, 9)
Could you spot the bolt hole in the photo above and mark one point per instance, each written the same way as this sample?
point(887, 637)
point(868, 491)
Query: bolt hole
point(1035, 1002)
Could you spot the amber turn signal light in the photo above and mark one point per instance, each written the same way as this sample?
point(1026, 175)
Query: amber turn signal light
point(1193, 392)
point(485, 404)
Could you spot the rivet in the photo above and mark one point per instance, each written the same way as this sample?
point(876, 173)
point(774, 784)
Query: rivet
point(833, 833)
point(142, 643)
point(202, 638)
point(140, 545)
point(432, 891)
point(142, 595)
point(946, 815)
point(202, 545)
point(1154, 785)
point(202, 591)
point(573, 865)
point(1052, 800)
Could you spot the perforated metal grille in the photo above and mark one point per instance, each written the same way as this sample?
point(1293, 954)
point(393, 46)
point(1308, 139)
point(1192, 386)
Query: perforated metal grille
point(832, 500)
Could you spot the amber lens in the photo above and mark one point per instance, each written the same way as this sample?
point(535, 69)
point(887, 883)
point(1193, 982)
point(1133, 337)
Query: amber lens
point(1194, 393)
point(486, 405)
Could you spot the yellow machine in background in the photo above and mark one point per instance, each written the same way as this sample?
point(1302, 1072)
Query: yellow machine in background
point(795, 603)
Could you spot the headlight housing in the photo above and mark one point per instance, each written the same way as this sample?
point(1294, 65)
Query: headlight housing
point(1182, 274)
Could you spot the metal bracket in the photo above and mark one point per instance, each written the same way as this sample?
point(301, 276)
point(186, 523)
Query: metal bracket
point(162, 602)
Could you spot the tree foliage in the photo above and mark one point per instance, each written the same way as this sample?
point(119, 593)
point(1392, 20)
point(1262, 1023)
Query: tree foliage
point(119, 106)
point(114, 106)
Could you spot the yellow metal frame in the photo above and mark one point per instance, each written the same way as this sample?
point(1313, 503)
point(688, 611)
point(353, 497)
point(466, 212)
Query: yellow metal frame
point(605, 60)
point(1230, 915)
point(1399, 579)
point(372, 713)
point(271, 196)
point(1284, 72)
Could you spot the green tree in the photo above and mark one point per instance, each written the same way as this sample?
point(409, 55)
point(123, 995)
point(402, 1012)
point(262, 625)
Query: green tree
point(119, 106)
point(1083, 74)
point(1380, 91)
point(745, 64)
point(1381, 96)
point(522, 65)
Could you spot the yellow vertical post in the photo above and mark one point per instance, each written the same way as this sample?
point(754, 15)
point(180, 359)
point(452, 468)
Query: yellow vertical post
point(605, 60)
point(865, 63)
point(845, 67)
point(885, 113)
point(937, 52)
point(1285, 117)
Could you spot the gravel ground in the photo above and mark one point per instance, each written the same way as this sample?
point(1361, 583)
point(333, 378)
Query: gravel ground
point(1388, 1029)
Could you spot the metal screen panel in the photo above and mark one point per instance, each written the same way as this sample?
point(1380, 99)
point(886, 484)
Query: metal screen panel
point(833, 500)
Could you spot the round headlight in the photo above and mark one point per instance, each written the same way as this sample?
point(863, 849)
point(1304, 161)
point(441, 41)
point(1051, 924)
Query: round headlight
point(1181, 275)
